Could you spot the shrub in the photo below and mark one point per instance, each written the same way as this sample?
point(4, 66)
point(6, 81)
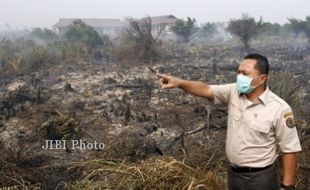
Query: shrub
point(23, 56)
point(82, 33)
point(46, 35)
point(284, 85)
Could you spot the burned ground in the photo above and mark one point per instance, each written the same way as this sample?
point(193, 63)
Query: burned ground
point(141, 125)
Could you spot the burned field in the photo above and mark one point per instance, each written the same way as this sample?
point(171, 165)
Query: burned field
point(154, 138)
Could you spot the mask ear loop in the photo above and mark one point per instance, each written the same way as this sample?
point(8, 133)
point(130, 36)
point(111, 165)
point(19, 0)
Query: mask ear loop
point(254, 79)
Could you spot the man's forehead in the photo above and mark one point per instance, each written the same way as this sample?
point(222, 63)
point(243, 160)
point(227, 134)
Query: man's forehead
point(247, 64)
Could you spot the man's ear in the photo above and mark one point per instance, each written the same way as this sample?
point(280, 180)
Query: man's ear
point(265, 78)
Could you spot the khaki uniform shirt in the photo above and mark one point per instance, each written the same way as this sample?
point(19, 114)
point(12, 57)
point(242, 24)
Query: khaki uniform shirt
point(254, 129)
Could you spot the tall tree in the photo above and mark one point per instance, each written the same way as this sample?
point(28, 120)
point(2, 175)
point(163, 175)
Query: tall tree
point(137, 41)
point(301, 26)
point(245, 28)
point(185, 28)
point(209, 29)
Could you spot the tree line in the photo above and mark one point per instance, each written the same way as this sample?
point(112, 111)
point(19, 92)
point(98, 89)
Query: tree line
point(81, 43)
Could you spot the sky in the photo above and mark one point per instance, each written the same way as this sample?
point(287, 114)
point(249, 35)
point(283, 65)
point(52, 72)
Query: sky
point(20, 14)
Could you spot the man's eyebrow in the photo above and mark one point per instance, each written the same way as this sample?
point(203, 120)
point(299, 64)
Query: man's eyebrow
point(243, 71)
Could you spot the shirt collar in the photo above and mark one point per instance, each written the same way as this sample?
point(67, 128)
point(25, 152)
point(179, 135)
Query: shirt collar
point(263, 97)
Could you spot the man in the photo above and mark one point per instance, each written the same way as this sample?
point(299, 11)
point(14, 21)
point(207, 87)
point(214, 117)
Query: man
point(258, 121)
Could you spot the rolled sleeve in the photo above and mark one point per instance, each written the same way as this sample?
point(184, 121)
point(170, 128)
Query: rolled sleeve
point(286, 132)
point(222, 93)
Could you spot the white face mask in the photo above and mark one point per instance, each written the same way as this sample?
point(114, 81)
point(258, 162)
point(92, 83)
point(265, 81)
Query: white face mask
point(244, 84)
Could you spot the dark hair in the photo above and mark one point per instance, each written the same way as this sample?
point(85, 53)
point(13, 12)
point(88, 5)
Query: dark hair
point(262, 64)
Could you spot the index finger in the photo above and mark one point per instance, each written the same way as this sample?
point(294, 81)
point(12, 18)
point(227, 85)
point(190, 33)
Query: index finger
point(151, 69)
point(161, 75)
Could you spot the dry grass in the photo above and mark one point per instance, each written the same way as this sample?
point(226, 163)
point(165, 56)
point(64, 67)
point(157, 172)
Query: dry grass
point(154, 173)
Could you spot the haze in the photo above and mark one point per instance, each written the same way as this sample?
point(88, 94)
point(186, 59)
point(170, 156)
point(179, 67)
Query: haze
point(20, 14)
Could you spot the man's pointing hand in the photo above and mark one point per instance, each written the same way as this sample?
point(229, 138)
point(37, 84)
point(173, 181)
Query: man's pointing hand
point(167, 81)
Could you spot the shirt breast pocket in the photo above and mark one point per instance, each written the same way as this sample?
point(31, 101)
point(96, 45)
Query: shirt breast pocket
point(234, 113)
point(258, 132)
